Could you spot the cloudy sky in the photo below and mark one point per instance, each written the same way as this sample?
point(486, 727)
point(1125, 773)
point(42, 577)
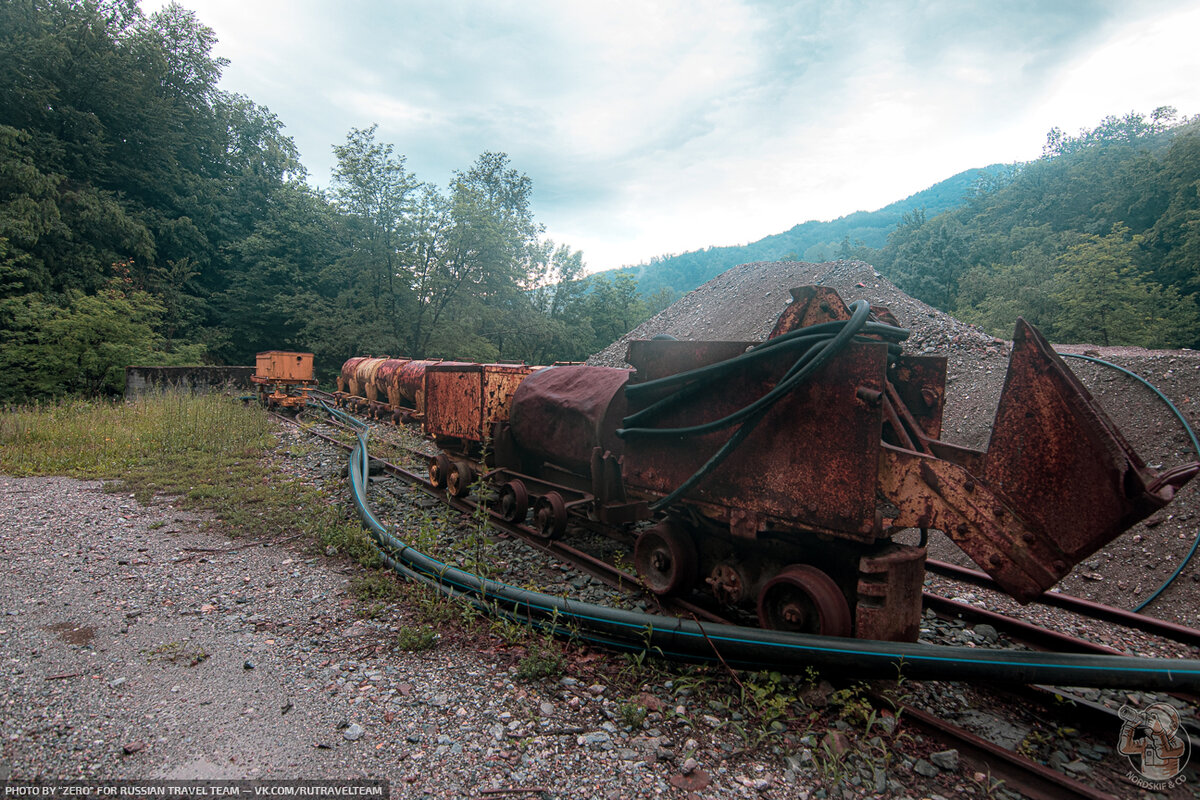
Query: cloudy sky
point(657, 127)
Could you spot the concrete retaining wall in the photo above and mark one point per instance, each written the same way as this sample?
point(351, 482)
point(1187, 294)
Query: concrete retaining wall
point(139, 380)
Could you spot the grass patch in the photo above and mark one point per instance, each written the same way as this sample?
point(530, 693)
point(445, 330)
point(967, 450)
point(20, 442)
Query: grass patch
point(374, 586)
point(542, 660)
point(632, 714)
point(160, 439)
point(204, 451)
point(416, 638)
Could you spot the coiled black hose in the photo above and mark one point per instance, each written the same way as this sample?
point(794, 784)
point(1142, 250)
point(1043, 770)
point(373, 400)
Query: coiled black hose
point(753, 648)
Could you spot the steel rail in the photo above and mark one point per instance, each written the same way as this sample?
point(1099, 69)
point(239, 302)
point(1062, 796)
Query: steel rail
point(1025, 775)
point(1088, 608)
point(607, 573)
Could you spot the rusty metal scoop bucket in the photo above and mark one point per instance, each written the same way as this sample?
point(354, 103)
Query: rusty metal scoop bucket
point(1063, 466)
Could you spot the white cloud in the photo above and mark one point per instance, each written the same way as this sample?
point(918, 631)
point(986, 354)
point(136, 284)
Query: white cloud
point(654, 127)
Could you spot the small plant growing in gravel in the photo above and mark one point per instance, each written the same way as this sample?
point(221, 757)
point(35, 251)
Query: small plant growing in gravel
point(369, 610)
point(335, 532)
point(416, 638)
point(423, 537)
point(435, 608)
point(505, 629)
point(374, 586)
point(632, 714)
point(187, 654)
point(830, 763)
point(642, 666)
point(541, 660)
point(854, 706)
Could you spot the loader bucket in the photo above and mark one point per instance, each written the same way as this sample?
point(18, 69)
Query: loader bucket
point(1063, 466)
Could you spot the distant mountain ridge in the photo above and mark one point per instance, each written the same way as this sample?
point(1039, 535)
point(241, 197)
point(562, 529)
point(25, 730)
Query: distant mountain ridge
point(807, 241)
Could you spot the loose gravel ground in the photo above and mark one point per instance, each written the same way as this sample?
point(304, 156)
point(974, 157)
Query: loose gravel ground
point(135, 645)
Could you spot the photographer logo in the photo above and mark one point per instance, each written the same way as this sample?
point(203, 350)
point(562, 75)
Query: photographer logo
point(1155, 744)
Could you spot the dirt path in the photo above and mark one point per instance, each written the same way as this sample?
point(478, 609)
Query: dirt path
point(134, 646)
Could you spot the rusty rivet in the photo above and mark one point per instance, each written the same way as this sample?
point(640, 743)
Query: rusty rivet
point(869, 396)
point(1060, 566)
point(1028, 538)
point(969, 486)
point(963, 528)
point(996, 560)
point(998, 511)
point(929, 396)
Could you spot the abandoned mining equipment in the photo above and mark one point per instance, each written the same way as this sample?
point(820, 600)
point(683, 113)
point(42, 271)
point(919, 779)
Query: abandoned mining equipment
point(283, 378)
point(776, 475)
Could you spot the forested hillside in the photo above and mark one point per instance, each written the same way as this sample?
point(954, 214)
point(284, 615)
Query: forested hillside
point(1098, 241)
point(845, 237)
point(148, 216)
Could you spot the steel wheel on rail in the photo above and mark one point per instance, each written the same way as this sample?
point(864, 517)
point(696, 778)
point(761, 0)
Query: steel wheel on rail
point(804, 599)
point(666, 559)
point(550, 515)
point(460, 478)
point(513, 503)
point(439, 470)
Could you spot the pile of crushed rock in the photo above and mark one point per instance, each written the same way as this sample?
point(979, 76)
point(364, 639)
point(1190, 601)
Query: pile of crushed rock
point(744, 303)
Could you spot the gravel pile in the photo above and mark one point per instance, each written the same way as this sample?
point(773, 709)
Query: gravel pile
point(744, 303)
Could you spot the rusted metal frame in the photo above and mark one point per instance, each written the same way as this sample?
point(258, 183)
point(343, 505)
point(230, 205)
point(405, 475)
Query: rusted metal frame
point(538, 486)
point(893, 419)
point(745, 523)
point(898, 406)
point(1055, 449)
point(1018, 773)
point(1088, 608)
point(769, 475)
point(888, 593)
point(932, 493)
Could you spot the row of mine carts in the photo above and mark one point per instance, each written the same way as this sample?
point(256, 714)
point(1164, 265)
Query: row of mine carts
point(544, 440)
point(455, 401)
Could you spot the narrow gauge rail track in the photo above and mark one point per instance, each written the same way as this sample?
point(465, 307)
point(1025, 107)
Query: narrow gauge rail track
point(608, 574)
point(1019, 772)
point(1034, 636)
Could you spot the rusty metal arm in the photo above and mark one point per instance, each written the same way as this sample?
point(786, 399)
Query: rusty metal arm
point(929, 492)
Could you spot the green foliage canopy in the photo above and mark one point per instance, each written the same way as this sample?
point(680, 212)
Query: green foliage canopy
point(147, 215)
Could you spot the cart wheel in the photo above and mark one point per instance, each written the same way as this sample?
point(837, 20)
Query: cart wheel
point(513, 503)
point(460, 478)
point(550, 515)
point(439, 470)
point(804, 599)
point(666, 559)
